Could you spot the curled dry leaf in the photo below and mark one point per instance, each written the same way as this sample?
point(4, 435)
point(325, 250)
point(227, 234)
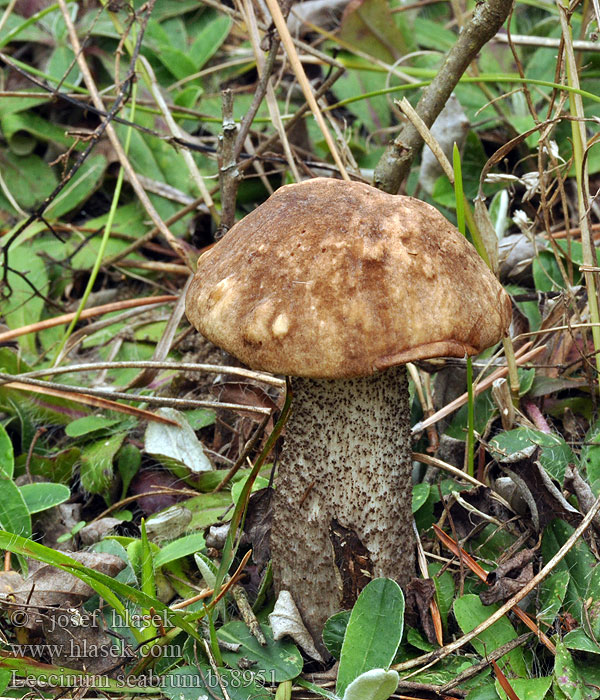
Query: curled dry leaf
point(245, 394)
point(509, 577)
point(585, 496)
point(97, 530)
point(257, 525)
point(168, 524)
point(419, 594)
point(285, 620)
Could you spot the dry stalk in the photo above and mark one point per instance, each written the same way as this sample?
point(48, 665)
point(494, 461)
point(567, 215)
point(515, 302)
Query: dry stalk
point(149, 364)
point(298, 69)
point(86, 313)
point(178, 132)
point(17, 381)
point(395, 163)
point(229, 175)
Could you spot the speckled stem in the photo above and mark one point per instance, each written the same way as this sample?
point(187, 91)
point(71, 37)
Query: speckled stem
point(342, 506)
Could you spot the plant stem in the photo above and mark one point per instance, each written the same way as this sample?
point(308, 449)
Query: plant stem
point(395, 163)
point(581, 176)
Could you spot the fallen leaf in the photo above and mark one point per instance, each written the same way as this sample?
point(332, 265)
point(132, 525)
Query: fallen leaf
point(285, 620)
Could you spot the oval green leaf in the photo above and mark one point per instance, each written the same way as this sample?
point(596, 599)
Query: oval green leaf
point(374, 631)
point(278, 661)
point(43, 495)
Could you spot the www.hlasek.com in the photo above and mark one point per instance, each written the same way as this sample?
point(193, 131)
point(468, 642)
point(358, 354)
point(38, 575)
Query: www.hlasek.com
point(82, 649)
point(208, 679)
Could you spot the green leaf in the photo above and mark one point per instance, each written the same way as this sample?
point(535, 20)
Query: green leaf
point(579, 562)
point(526, 379)
point(484, 408)
point(530, 309)
point(372, 113)
point(43, 495)
point(176, 62)
point(514, 445)
point(579, 641)
point(420, 494)
point(177, 549)
point(24, 306)
point(370, 28)
point(334, 631)
point(29, 179)
point(7, 458)
point(207, 508)
point(592, 604)
point(61, 60)
point(32, 669)
point(527, 688)
point(157, 160)
point(278, 661)
point(23, 130)
point(14, 514)
point(128, 464)
point(316, 689)
point(552, 594)
point(57, 468)
point(209, 40)
point(567, 683)
point(96, 464)
point(147, 563)
point(374, 631)
point(261, 482)
point(89, 424)
point(471, 612)
point(444, 590)
point(376, 684)
point(200, 418)
point(107, 587)
point(483, 692)
point(5, 679)
point(85, 181)
point(416, 639)
point(590, 454)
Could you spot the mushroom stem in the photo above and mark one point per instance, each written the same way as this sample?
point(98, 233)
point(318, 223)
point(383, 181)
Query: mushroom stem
point(342, 506)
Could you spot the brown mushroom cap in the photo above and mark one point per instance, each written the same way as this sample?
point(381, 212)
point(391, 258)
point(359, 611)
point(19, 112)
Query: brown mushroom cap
point(337, 279)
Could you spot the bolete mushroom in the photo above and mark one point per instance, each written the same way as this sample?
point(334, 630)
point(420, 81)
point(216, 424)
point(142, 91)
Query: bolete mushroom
point(337, 284)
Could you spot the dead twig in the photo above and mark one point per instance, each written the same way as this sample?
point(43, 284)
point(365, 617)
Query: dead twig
point(394, 165)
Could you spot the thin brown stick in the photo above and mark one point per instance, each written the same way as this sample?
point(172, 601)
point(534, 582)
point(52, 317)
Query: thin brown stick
point(79, 393)
point(86, 313)
point(477, 389)
point(152, 364)
point(477, 668)
point(394, 165)
point(242, 458)
point(85, 397)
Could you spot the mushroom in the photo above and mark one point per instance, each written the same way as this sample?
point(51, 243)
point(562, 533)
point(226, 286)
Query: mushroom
point(338, 285)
